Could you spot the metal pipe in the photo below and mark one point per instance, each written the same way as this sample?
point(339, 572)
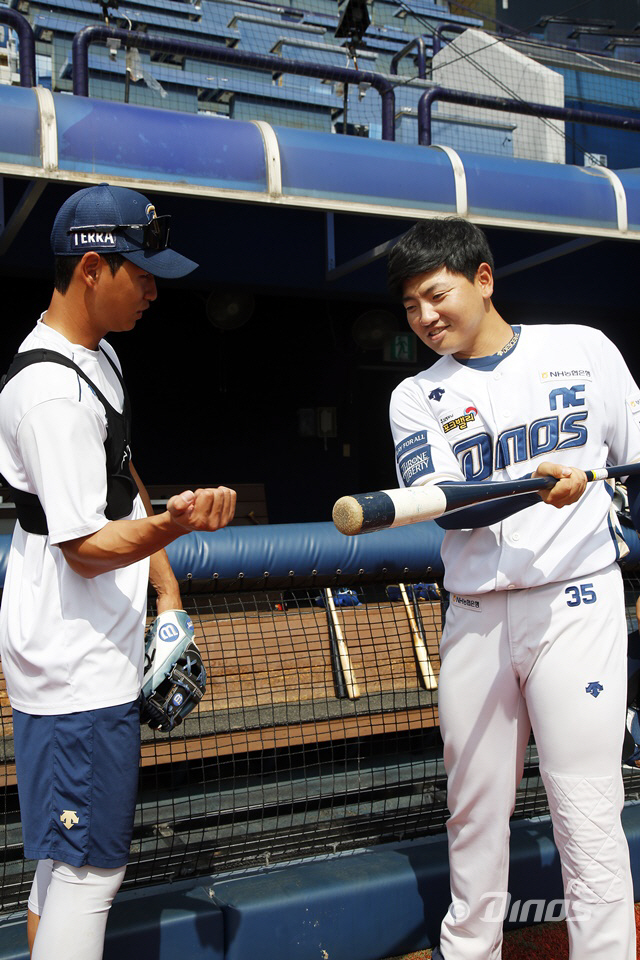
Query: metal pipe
point(422, 57)
point(27, 52)
point(240, 58)
point(567, 114)
point(446, 28)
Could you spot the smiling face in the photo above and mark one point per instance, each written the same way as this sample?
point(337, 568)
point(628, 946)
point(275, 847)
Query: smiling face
point(452, 315)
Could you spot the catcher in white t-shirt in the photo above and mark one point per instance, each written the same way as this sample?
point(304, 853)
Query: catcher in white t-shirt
point(84, 548)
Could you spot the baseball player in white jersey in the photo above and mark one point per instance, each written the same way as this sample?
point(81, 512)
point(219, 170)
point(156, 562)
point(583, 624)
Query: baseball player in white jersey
point(535, 634)
point(83, 551)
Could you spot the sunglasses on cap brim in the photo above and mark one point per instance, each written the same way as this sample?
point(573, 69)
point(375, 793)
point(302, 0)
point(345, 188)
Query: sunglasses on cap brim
point(155, 234)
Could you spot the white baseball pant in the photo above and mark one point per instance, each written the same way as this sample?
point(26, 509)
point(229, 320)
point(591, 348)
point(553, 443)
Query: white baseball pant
point(551, 659)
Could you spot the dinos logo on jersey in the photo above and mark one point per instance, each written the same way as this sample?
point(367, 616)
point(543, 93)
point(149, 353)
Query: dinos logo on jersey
point(452, 421)
point(549, 376)
point(414, 457)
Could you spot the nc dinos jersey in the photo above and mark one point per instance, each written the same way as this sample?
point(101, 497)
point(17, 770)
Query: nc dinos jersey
point(560, 393)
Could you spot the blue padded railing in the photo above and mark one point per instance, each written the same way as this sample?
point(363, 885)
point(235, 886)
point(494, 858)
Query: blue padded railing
point(281, 555)
point(296, 555)
point(304, 554)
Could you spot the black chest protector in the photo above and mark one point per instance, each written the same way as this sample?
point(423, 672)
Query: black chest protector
point(121, 487)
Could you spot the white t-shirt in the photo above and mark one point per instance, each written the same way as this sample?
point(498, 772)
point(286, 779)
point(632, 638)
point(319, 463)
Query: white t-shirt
point(563, 394)
point(67, 643)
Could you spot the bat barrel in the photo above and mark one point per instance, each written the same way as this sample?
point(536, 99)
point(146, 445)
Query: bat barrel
point(363, 511)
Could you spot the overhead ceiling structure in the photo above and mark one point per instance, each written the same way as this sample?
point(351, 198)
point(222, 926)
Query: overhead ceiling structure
point(75, 141)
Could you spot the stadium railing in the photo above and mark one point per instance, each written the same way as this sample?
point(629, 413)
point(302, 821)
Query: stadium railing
point(27, 52)
point(251, 83)
point(507, 105)
point(234, 57)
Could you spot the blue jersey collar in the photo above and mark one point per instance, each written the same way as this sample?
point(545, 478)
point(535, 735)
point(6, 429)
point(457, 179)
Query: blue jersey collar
point(491, 362)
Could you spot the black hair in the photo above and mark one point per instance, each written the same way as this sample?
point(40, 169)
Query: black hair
point(452, 242)
point(64, 267)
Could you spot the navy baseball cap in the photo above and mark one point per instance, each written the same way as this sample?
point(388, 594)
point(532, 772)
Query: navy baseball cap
point(111, 219)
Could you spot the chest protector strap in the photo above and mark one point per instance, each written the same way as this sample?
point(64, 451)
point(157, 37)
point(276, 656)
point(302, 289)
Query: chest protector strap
point(121, 487)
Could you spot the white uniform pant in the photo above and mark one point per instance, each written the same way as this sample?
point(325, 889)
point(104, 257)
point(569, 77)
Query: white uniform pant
point(552, 659)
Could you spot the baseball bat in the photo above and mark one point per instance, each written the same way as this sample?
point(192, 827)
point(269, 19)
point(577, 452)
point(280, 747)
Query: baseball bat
point(340, 659)
point(366, 512)
point(417, 633)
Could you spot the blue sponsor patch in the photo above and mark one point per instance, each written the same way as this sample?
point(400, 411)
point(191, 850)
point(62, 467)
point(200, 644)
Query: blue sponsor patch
point(414, 442)
point(415, 464)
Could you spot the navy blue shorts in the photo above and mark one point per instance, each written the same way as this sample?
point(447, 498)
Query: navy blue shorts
point(77, 784)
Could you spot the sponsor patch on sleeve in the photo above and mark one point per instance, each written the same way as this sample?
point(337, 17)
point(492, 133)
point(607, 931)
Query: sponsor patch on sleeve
point(633, 402)
point(414, 464)
point(414, 442)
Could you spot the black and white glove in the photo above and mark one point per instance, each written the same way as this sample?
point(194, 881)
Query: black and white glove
point(174, 677)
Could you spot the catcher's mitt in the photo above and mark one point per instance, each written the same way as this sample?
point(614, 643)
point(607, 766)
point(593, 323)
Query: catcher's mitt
point(174, 677)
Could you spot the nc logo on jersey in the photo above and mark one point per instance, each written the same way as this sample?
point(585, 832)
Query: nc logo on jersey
point(567, 396)
point(168, 632)
point(594, 688)
point(437, 394)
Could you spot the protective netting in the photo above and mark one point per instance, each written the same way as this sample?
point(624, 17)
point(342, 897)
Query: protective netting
point(295, 751)
point(298, 51)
